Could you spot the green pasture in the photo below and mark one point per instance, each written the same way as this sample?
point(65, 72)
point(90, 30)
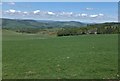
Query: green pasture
point(35, 56)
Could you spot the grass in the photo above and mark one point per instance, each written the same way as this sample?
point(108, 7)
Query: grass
point(72, 57)
point(0, 54)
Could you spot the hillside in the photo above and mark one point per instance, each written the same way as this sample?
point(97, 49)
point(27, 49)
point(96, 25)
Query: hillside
point(16, 23)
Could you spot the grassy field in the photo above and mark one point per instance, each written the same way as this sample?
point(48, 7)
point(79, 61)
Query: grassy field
point(0, 54)
point(30, 56)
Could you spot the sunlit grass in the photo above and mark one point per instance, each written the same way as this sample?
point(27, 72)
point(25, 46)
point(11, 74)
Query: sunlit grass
point(77, 57)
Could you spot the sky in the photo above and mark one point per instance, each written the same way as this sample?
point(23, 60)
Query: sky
point(62, 11)
point(61, 0)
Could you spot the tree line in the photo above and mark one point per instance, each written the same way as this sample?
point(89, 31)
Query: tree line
point(106, 28)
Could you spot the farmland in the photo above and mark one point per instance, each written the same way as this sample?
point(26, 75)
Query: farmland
point(35, 56)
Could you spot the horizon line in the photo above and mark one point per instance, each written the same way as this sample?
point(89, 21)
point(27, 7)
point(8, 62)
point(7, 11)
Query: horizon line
point(60, 20)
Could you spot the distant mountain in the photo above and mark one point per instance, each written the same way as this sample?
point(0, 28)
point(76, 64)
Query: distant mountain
point(17, 23)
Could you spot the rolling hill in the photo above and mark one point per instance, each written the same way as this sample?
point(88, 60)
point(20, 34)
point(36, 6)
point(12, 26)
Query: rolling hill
point(17, 23)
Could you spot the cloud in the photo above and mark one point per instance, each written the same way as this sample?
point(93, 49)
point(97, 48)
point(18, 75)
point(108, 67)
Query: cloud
point(11, 3)
point(89, 8)
point(92, 16)
point(101, 14)
point(66, 13)
point(84, 15)
point(11, 11)
point(15, 12)
point(18, 11)
point(56, 14)
point(38, 14)
point(25, 13)
point(36, 11)
point(50, 13)
point(96, 15)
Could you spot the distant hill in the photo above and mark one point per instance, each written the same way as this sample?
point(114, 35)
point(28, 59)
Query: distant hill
point(17, 23)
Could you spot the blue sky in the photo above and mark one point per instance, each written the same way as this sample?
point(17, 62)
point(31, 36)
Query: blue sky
point(61, 0)
point(62, 11)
